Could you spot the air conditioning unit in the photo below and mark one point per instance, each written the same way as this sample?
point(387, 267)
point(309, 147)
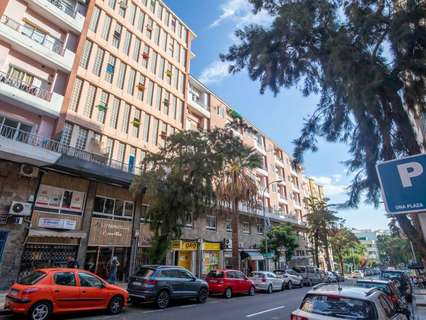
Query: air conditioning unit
point(20, 209)
point(28, 171)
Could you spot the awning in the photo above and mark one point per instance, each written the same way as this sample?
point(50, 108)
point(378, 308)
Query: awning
point(252, 255)
point(56, 234)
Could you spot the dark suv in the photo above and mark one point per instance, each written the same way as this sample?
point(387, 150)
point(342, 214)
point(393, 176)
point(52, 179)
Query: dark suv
point(401, 280)
point(161, 284)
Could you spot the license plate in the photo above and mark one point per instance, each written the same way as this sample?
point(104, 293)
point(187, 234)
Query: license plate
point(213, 281)
point(136, 283)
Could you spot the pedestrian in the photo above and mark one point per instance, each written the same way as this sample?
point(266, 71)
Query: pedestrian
point(113, 270)
point(72, 263)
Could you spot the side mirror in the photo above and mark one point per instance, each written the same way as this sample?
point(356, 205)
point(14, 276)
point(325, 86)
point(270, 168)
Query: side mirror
point(194, 279)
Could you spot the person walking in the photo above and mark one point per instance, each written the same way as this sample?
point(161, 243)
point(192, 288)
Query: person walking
point(72, 263)
point(113, 270)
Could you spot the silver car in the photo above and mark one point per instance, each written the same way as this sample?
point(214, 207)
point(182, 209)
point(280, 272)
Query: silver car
point(267, 281)
point(291, 278)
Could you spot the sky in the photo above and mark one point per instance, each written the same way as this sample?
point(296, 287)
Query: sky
point(280, 117)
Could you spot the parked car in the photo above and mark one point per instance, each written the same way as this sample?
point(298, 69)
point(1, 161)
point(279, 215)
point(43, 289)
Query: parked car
point(330, 277)
point(311, 275)
point(267, 281)
point(389, 288)
point(229, 283)
point(401, 280)
point(291, 278)
point(60, 290)
point(339, 276)
point(329, 302)
point(357, 274)
point(161, 284)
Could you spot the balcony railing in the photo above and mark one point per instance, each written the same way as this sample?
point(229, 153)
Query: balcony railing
point(24, 86)
point(56, 146)
point(49, 42)
point(64, 6)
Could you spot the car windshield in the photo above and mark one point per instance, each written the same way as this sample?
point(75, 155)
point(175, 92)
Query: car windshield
point(215, 274)
point(381, 286)
point(144, 272)
point(339, 307)
point(257, 275)
point(300, 269)
point(279, 272)
point(391, 274)
point(32, 278)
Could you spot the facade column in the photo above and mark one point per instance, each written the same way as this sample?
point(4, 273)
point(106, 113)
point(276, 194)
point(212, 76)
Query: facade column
point(86, 222)
point(137, 215)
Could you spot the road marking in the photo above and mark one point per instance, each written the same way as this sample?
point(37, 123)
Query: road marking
point(265, 311)
point(153, 311)
point(188, 306)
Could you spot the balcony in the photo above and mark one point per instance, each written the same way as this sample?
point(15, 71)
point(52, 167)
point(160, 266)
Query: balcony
point(282, 199)
point(32, 43)
point(199, 108)
point(277, 215)
point(29, 97)
point(279, 162)
point(24, 146)
point(259, 147)
point(62, 12)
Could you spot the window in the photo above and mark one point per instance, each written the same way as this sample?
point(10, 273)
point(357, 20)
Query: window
point(148, 28)
point(114, 113)
point(136, 123)
point(158, 100)
point(113, 208)
point(121, 75)
point(126, 115)
point(246, 227)
point(75, 95)
point(156, 34)
point(153, 62)
point(31, 278)
point(106, 27)
point(259, 228)
point(141, 92)
point(121, 152)
point(64, 279)
point(188, 221)
point(81, 139)
point(87, 280)
point(137, 49)
point(150, 92)
point(146, 51)
point(146, 125)
point(131, 13)
point(211, 222)
point(85, 56)
point(111, 4)
point(99, 58)
point(228, 226)
point(95, 19)
point(154, 134)
point(103, 102)
point(117, 35)
point(3, 238)
point(66, 134)
point(127, 42)
point(179, 110)
point(109, 74)
point(109, 147)
point(141, 20)
point(90, 100)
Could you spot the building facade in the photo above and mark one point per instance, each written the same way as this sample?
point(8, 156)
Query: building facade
point(368, 238)
point(86, 89)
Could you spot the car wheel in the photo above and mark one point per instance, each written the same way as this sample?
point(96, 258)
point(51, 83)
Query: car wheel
point(163, 299)
point(289, 285)
point(252, 291)
point(269, 289)
point(202, 295)
point(115, 306)
point(41, 311)
point(228, 293)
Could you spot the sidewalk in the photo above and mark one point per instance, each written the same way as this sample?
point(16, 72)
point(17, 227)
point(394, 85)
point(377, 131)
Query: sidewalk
point(420, 304)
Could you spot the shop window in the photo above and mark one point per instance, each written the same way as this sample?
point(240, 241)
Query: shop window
point(65, 279)
point(211, 222)
point(246, 227)
point(113, 208)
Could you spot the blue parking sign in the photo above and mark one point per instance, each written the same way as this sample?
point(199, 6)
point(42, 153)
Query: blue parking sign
point(403, 183)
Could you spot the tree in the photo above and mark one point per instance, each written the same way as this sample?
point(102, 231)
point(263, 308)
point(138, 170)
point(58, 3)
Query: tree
point(320, 220)
point(356, 256)
point(342, 240)
point(280, 238)
point(366, 60)
point(393, 250)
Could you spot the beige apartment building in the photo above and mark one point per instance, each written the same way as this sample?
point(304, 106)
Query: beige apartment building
point(86, 89)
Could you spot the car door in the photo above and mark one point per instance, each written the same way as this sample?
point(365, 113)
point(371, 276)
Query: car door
point(243, 284)
point(189, 284)
point(170, 279)
point(233, 282)
point(92, 292)
point(277, 283)
point(65, 292)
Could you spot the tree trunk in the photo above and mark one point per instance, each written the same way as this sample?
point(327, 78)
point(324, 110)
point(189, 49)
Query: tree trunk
point(235, 235)
point(342, 267)
point(327, 253)
point(316, 254)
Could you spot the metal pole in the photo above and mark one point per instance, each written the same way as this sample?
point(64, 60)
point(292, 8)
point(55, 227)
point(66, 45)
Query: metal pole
point(413, 252)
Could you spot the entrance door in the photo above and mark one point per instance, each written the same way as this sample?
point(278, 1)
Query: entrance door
point(105, 256)
point(185, 259)
point(3, 238)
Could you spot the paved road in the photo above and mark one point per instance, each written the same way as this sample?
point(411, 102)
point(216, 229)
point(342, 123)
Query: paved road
point(276, 306)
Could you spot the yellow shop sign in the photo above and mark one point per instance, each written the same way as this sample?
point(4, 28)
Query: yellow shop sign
point(184, 245)
point(211, 246)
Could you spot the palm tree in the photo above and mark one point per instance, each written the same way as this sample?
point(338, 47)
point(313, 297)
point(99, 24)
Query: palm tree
point(236, 186)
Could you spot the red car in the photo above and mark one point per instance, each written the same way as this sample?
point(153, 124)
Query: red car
point(61, 290)
point(229, 282)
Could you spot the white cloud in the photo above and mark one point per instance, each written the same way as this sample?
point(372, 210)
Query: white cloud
point(332, 187)
point(215, 72)
point(240, 11)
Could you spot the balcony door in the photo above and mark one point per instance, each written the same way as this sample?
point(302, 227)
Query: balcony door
point(14, 129)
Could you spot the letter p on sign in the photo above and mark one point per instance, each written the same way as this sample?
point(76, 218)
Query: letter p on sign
point(409, 170)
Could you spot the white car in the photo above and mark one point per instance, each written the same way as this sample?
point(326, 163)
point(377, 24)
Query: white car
point(331, 302)
point(267, 281)
point(291, 278)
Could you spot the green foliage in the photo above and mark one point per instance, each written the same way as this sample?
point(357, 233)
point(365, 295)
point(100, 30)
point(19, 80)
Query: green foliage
point(280, 238)
point(366, 61)
point(342, 241)
point(355, 255)
point(393, 250)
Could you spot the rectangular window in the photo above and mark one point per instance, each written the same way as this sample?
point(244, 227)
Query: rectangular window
point(131, 81)
point(163, 133)
point(149, 28)
point(122, 8)
point(211, 222)
point(179, 110)
point(150, 92)
point(113, 208)
point(112, 3)
point(182, 56)
point(126, 115)
point(156, 34)
point(75, 95)
point(172, 108)
point(141, 21)
point(154, 133)
point(175, 75)
point(127, 42)
point(259, 228)
point(66, 134)
point(90, 100)
point(181, 82)
point(116, 37)
point(137, 49)
point(131, 13)
point(106, 28)
point(95, 19)
point(81, 139)
point(166, 102)
point(228, 226)
point(158, 101)
point(121, 152)
point(115, 110)
point(160, 69)
point(109, 147)
point(85, 56)
point(99, 58)
point(153, 62)
point(103, 105)
point(184, 34)
point(246, 227)
point(145, 56)
point(121, 75)
point(136, 123)
point(109, 74)
point(141, 90)
point(146, 125)
point(3, 239)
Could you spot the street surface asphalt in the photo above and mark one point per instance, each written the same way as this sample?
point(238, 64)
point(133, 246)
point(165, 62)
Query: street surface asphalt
point(262, 306)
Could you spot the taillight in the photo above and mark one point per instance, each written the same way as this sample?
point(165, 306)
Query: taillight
point(30, 290)
point(294, 317)
point(150, 282)
point(263, 279)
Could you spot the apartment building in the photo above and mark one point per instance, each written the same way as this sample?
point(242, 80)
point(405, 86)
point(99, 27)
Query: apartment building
point(86, 89)
point(368, 238)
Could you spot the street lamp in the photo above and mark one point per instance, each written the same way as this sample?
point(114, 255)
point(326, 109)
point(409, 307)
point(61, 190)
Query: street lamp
point(264, 219)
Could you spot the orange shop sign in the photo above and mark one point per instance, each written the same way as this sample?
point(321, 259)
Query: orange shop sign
point(180, 245)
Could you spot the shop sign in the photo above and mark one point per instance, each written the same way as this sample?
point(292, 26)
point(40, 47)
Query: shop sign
point(211, 246)
point(180, 245)
point(110, 232)
point(52, 223)
point(59, 198)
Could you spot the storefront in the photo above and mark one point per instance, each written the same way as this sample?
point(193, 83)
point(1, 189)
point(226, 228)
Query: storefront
point(145, 241)
point(252, 260)
point(211, 257)
point(185, 254)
